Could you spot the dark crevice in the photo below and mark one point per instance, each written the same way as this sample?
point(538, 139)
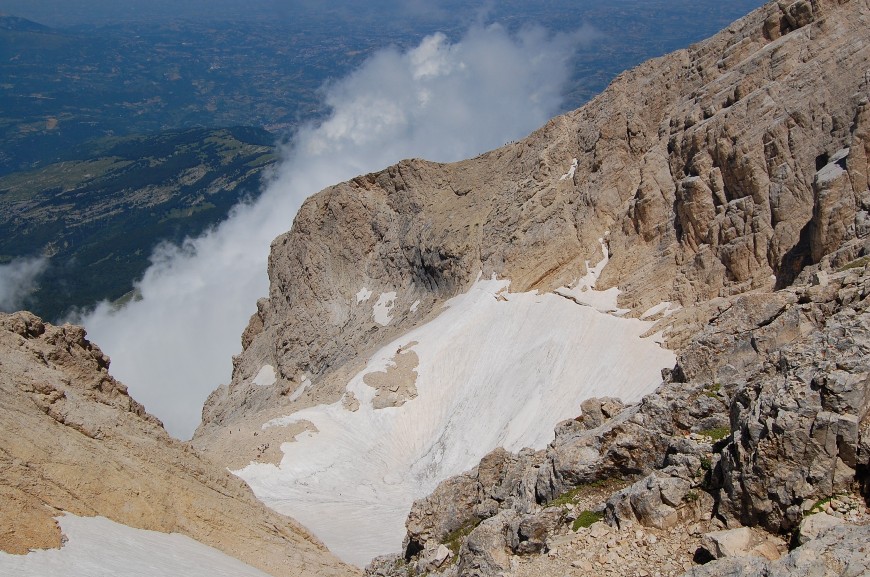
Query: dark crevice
point(412, 549)
point(821, 161)
point(795, 259)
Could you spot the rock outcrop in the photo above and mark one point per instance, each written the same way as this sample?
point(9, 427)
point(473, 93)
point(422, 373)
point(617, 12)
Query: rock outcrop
point(716, 170)
point(75, 441)
point(727, 185)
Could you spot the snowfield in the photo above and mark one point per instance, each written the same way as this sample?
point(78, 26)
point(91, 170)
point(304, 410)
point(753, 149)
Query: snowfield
point(98, 547)
point(495, 370)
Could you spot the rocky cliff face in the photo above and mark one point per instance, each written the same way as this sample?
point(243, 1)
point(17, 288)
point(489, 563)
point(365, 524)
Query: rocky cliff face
point(74, 441)
point(715, 170)
point(727, 187)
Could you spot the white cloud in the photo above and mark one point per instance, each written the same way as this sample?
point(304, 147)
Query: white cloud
point(442, 101)
point(18, 281)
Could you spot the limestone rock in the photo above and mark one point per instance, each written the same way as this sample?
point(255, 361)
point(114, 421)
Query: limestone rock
point(724, 178)
point(657, 501)
point(75, 441)
point(743, 162)
point(839, 552)
point(485, 550)
point(741, 542)
point(814, 525)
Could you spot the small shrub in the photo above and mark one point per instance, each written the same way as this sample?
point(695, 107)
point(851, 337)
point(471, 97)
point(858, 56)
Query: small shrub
point(717, 434)
point(453, 540)
point(586, 519)
point(857, 263)
point(691, 496)
point(712, 390)
point(572, 496)
point(706, 464)
point(819, 506)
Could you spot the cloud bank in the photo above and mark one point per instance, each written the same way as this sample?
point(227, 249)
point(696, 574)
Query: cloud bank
point(442, 101)
point(18, 281)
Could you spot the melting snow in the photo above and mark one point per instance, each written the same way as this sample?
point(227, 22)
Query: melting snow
point(98, 547)
point(265, 377)
point(382, 308)
point(583, 291)
point(665, 307)
point(571, 171)
point(301, 389)
point(495, 370)
point(363, 295)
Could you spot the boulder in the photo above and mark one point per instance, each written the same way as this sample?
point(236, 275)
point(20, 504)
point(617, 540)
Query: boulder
point(742, 542)
point(814, 525)
point(841, 551)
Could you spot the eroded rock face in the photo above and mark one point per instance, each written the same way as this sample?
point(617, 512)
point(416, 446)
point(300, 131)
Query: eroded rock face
point(797, 423)
point(74, 440)
point(839, 551)
point(729, 179)
point(714, 170)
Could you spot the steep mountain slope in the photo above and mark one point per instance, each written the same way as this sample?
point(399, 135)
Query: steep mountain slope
point(75, 442)
point(722, 169)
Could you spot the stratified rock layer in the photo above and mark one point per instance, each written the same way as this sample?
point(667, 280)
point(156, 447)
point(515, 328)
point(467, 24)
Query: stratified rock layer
point(714, 170)
point(726, 183)
point(74, 441)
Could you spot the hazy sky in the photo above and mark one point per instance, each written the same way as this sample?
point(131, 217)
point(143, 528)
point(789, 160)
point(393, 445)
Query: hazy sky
point(71, 12)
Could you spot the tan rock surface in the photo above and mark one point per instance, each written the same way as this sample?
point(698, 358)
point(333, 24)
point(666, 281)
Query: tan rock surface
point(73, 440)
point(712, 171)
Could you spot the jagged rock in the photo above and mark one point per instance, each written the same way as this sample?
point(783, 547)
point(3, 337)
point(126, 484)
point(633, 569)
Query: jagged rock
point(738, 173)
point(501, 481)
point(432, 558)
point(659, 502)
point(75, 441)
point(838, 552)
point(528, 534)
point(798, 420)
point(596, 411)
point(484, 552)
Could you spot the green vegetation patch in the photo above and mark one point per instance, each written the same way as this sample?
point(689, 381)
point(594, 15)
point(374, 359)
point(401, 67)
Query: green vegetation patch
point(59, 177)
point(857, 263)
point(712, 390)
point(691, 496)
point(453, 540)
point(586, 519)
point(717, 434)
point(572, 496)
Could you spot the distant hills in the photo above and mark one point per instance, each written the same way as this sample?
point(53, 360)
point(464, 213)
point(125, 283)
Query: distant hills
point(99, 214)
point(14, 23)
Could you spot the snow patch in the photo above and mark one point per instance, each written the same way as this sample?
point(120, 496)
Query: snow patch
point(495, 369)
point(299, 390)
point(665, 308)
point(98, 547)
point(382, 308)
point(571, 171)
point(363, 295)
point(414, 306)
point(265, 376)
point(583, 292)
